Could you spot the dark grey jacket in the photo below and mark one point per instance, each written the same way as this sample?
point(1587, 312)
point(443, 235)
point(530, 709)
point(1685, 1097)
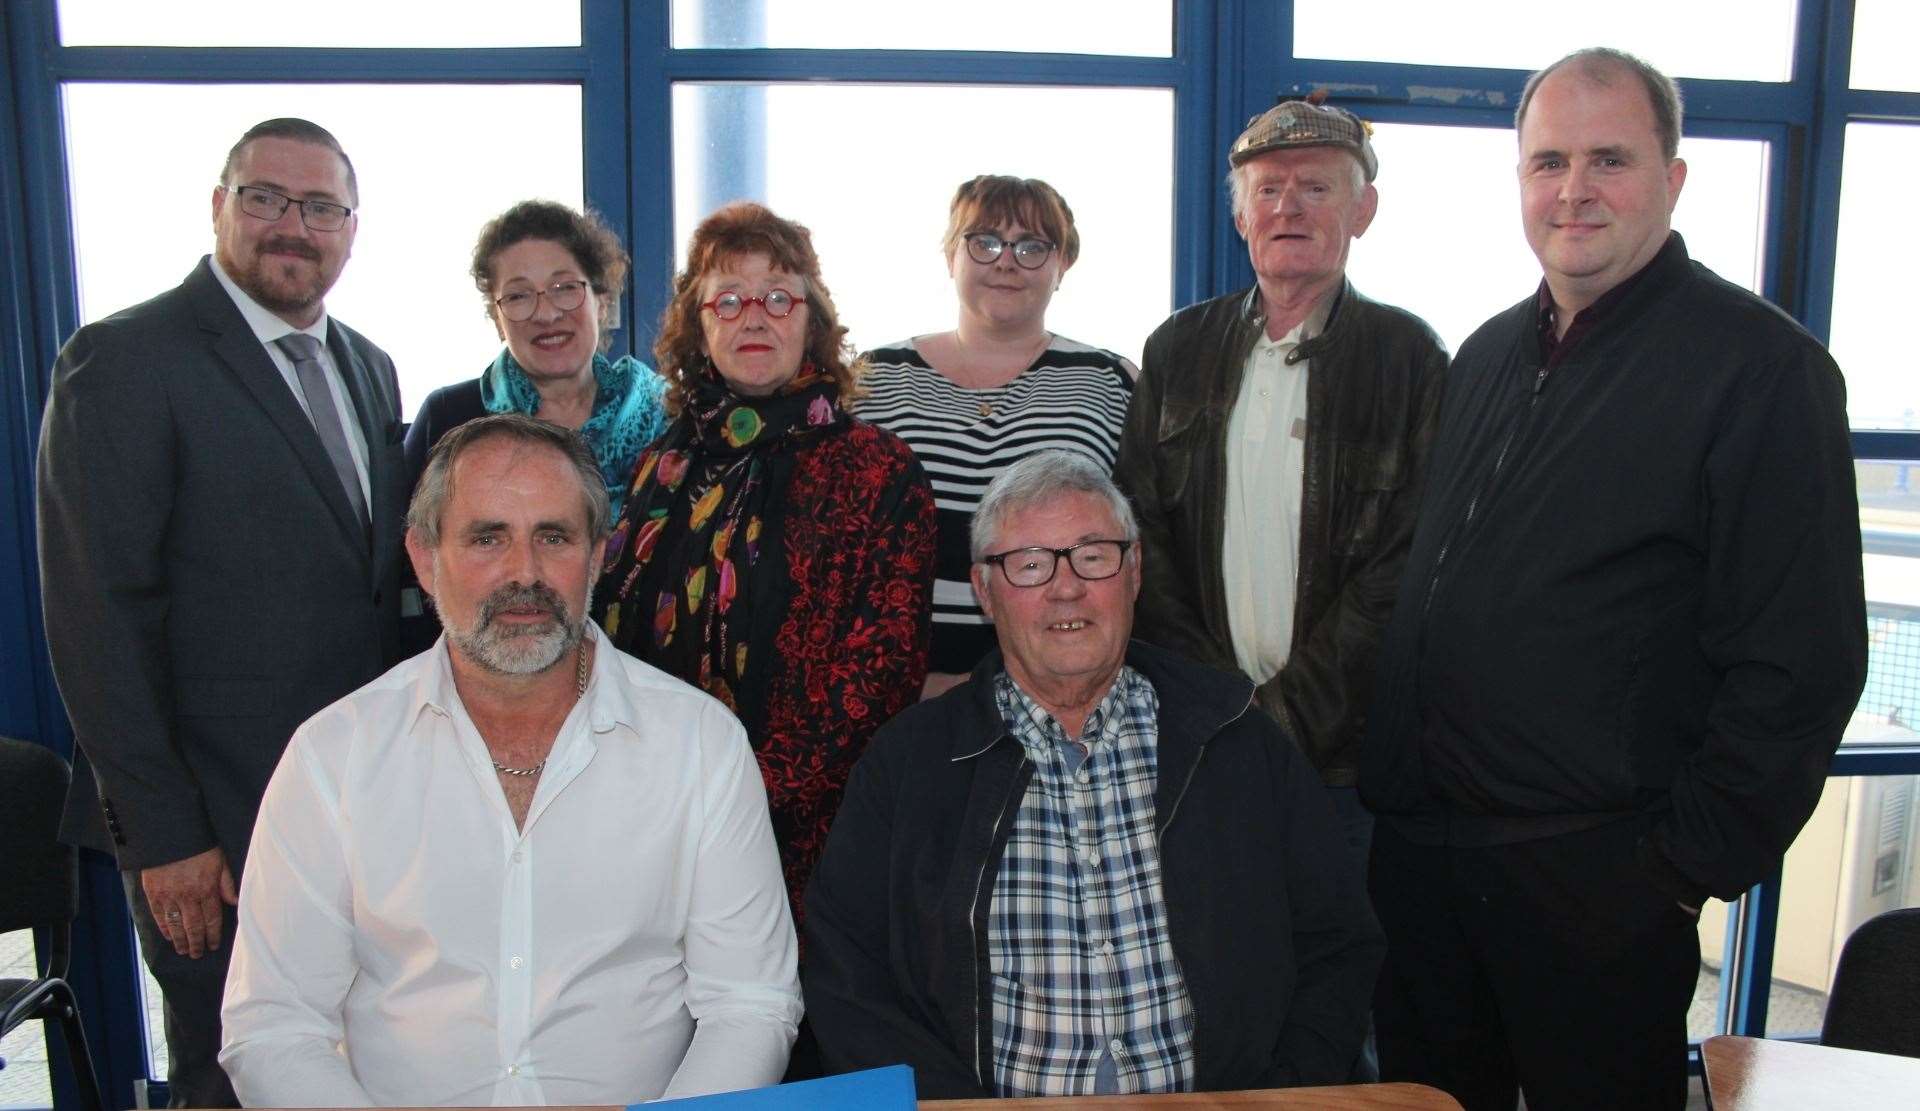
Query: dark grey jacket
point(207, 587)
point(1273, 932)
point(1372, 400)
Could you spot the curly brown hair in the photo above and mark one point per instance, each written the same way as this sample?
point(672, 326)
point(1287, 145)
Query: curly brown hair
point(593, 245)
point(993, 201)
point(734, 230)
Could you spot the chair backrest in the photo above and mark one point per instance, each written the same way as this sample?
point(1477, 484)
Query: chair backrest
point(37, 872)
point(1875, 1002)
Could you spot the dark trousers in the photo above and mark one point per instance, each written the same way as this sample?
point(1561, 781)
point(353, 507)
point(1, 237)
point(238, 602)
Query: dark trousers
point(191, 991)
point(1356, 826)
point(1552, 967)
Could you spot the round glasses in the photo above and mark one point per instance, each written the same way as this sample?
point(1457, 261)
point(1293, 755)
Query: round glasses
point(1030, 253)
point(1092, 560)
point(521, 304)
point(265, 204)
point(777, 303)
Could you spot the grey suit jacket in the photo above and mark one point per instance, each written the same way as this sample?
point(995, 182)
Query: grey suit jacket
point(206, 585)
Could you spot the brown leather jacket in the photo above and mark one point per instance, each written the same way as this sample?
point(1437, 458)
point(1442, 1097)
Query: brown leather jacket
point(1372, 401)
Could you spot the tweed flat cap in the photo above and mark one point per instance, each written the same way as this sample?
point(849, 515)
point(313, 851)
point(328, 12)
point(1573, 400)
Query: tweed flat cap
point(1298, 123)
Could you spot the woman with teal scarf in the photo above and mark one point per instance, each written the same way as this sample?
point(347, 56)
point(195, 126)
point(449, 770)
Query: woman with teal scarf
point(551, 278)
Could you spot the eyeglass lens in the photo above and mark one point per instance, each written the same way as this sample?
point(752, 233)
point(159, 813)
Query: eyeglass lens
point(777, 303)
point(265, 204)
point(520, 304)
point(1030, 253)
point(1093, 560)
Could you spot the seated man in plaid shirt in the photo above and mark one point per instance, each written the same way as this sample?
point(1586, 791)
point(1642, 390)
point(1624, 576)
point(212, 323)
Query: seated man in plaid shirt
point(1094, 867)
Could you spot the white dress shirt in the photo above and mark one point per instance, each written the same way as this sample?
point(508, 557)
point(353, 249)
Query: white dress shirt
point(402, 943)
point(1266, 464)
point(268, 327)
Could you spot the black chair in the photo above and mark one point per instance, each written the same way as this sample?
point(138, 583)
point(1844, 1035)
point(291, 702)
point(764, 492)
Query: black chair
point(38, 888)
point(1875, 1002)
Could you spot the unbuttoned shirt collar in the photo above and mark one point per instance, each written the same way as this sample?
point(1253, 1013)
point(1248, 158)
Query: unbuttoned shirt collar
point(603, 709)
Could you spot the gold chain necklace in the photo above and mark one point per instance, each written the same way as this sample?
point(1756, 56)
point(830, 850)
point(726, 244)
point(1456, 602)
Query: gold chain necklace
point(579, 691)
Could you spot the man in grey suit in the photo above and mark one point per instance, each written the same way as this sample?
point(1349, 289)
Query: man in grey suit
point(220, 499)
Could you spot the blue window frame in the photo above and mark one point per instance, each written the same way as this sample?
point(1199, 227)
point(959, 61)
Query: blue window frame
point(1230, 59)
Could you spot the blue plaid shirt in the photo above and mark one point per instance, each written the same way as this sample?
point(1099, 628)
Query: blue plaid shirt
point(1087, 993)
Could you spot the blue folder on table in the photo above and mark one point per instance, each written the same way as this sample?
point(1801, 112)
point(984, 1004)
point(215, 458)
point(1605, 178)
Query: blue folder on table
point(888, 1089)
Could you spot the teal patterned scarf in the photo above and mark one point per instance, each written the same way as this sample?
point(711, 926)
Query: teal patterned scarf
point(627, 411)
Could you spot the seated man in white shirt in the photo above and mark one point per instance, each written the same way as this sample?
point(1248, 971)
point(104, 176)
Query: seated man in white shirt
point(522, 867)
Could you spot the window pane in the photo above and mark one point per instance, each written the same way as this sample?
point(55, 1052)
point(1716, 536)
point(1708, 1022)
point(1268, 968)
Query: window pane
point(1872, 287)
point(1884, 32)
point(834, 158)
point(145, 158)
point(1736, 39)
point(1704, 1016)
point(1854, 859)
point(1466, 223)
point(335, 23)
point(1142, 27)
point(1890, 534)
point(24, 1082)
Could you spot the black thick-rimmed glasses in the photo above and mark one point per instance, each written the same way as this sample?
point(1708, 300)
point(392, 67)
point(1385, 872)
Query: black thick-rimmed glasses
point(265, 204)
point(1030, 253)
point(521, 304)
point(1092, 560)
point(778, 303)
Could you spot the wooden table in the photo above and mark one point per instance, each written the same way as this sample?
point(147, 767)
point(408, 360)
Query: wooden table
point(1755, 1074)
point(1347, 1097)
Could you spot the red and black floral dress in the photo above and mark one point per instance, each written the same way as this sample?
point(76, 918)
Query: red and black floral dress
point(778, 553)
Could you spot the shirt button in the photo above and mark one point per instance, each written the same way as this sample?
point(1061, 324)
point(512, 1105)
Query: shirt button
point(515, 963)
point(1107, 948)
point(1082, 777)
point(1093, 859)
point(513, 1070)
point(1116, 1047)
point(518, 856)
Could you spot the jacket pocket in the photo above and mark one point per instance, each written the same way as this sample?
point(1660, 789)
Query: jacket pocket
point(1366, 479)
point(1176, 445)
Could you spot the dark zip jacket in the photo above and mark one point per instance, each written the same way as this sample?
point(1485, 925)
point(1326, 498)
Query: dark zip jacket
point(1274, 935)
point(1634, 590)
point(1373, 398)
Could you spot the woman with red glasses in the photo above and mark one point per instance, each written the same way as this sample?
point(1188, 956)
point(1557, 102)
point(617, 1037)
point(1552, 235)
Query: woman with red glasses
point(774, 550)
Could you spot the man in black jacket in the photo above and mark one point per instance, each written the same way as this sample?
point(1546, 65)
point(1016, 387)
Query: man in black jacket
point(1093, 867)
point(1629, 638)
point(1275, 445)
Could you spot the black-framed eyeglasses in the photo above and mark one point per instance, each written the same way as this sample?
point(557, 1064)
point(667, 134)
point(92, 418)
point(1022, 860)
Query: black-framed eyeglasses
point(778, 303)
point(1030, 253)
point(1092, 560)
point(265, 204)
point(520, 304)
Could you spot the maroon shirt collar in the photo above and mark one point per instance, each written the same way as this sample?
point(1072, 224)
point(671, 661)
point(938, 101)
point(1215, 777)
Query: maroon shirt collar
point(1555, 349)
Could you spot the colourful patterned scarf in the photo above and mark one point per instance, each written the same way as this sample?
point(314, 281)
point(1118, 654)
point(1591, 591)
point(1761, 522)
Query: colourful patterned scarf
point(703, 519)
point(627, 411)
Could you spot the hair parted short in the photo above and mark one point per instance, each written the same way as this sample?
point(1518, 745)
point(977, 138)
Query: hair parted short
point(1600, 65)
point(300, 131)
point(733, 231)
point(584, 235)
point(430, 497)
point(1041, 477)
point(996, 200)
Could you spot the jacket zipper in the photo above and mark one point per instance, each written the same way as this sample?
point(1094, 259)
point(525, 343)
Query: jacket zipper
point(980, 1017)
point(1473, 503)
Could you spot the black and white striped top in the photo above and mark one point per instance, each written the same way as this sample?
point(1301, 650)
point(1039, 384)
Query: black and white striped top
point(1073, 397)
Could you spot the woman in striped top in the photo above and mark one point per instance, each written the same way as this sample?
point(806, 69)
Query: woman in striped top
point(995, 389)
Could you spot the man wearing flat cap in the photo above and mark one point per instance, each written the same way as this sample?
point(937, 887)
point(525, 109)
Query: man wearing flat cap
point(1275, 443)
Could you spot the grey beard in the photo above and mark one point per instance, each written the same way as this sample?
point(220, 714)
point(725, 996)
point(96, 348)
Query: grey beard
point(493, 648)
